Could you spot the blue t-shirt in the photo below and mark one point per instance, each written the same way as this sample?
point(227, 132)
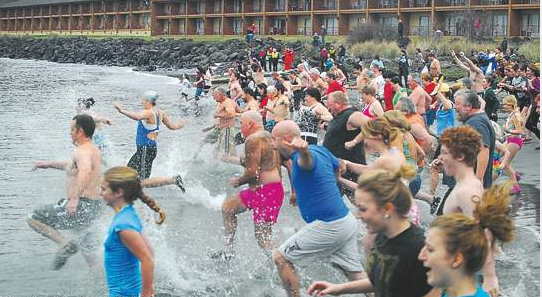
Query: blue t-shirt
point(479, 293)
point(318, 195)
point(121, 266)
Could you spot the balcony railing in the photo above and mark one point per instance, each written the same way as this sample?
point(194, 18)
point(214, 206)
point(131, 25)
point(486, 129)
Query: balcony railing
point(279, 8)
point(304, 31)
point(217, 9)
point(332, 30)
point(419, 3)
point(530, 1)
point(419, 30)
point(499, 30)
point(217, 31)
point(359, 5)
point(530, 30)
point(257, 8)
point(454, 3)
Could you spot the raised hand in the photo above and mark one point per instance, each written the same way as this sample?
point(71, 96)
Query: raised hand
point(297, 144)
point(323, 288)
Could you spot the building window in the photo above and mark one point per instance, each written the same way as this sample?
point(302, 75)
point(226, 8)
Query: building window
point(332, 26)
point(258, 5)
point(280, 5)
point(199, 8)
point(358, 4)
point(237, 6)
point(455, 25)
point(182, 27)
point(330, 5)
point(237, 26)
point(530, 25)
point(388, 21)
point(423, 27)
point(199, 27)
point(146, 20)
point(217, 27)
point(360, 21)
point(306, 28)
point(259, 25)
point(218, 7)
point(500, 22)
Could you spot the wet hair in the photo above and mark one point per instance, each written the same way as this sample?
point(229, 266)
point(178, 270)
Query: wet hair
point(368, 90)
point(395, 80)
point(314, 93)
point(379, 126)
point(220, 90)
point(510, 100)
point(85, 122)
point(467, 83)
point(388, 187)
point(126, 178)
point(468, 98)
point(465, 235)
point(331, 75)
point(462, 141)
point(86, 102)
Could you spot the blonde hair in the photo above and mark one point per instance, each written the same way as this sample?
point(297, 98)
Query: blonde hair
point(388, 187)
point(465, 235)
point(511, 100)
point(125, 178)
point(379, 126)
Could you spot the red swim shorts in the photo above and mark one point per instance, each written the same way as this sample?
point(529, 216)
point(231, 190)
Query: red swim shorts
point(265, 201)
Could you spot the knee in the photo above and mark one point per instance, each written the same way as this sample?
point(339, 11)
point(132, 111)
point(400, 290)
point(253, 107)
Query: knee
point(278, 258)
point(229, 206)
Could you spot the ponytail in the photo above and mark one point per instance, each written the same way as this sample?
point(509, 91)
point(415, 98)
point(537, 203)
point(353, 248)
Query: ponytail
point(126, 178)
point(466, 235)
point(387, 187)
point(151, 203)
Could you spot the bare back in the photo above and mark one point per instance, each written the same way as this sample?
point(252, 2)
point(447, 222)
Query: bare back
point(259, 152)
point(464, 196)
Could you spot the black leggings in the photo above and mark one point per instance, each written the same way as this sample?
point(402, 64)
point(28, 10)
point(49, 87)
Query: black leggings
point(532, 122)
point(142, 160)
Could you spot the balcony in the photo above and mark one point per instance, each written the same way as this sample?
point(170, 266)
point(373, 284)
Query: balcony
point(419, 30)
point(279, 8)
point(529, 2)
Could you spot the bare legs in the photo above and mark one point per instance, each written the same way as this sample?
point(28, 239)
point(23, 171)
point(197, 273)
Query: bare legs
point(47, 231)
point(231, 207)
point(290, 279)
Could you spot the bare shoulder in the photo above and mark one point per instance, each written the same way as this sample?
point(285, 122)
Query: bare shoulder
point(469, 189)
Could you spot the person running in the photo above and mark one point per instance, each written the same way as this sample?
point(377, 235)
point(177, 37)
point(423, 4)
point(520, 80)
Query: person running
point(148, 126)
point(331, 229)
point(383, 203)
point(310, 115)
point(475, 73)
point(249, 96)
point(341, 133)
point(222, 133)
point(373, 108)
point(264, 194)
point(199, 83)
point(513, 127)
point(491, 101)
point(419, 96)
point(456, 246)
point(128, 255)
point(81, 206)
point(459, 153)
point(185, 87)
point(278, 106)
point(84, 106)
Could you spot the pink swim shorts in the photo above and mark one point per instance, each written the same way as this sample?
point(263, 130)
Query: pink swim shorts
point(265, 201)
point(515, 140)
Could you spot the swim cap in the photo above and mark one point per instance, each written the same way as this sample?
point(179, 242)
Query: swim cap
point(150, 96)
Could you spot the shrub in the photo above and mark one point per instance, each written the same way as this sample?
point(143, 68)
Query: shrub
point(444, 47)
point(531, 51)
point(367, 50)
point(372, 32)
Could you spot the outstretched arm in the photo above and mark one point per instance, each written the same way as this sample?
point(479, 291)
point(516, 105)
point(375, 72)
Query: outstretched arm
point(144, 114)
point(170, 125)
point(471, 64)
point(458, 62)
point(60, 165)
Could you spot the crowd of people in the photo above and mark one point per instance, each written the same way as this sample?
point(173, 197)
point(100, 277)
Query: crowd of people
point(303, 119)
